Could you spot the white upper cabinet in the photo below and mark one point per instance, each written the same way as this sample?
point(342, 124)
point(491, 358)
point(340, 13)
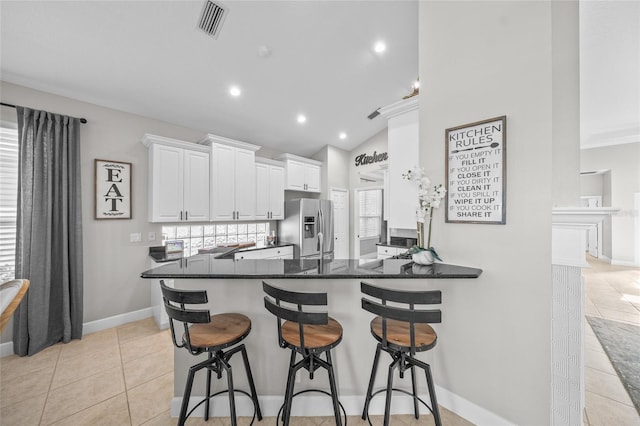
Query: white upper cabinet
point(269, 189)
point(178, 180)
point(301, 174)
point(233, 184)
point(403, 151)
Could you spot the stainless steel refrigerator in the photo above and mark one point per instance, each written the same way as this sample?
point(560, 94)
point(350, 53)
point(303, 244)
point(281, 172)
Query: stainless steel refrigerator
point(308, 223)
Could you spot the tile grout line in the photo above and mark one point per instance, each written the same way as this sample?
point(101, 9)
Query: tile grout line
point(124, 379)
point(55, 367)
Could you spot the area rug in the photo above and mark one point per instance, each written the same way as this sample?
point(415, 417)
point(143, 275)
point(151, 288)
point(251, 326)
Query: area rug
point(621, 342)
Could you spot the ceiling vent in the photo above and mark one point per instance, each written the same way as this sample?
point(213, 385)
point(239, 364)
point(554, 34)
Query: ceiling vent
point(212, 18)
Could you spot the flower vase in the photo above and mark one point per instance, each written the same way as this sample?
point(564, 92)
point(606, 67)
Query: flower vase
point(424, 257)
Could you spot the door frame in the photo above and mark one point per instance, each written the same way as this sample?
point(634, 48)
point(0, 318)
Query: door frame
point(356, 216)
point(347, 207)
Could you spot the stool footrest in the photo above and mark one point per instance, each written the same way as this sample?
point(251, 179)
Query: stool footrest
point(306, 391)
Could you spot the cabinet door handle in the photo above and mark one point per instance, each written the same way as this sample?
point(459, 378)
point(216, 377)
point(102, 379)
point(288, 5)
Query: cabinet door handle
point(186, 215)
point(180, 214)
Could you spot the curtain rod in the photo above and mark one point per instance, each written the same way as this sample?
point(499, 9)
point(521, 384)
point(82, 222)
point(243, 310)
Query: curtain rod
point(82, 120)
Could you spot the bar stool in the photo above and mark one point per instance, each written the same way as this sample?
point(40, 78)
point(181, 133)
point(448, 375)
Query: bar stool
point(401, 332)
point(211, 334)
point(309, 334)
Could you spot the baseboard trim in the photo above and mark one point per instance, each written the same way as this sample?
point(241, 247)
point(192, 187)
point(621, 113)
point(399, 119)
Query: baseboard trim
point(320, 405)
point(6, 349)
point(116, 320)
point(624, 263)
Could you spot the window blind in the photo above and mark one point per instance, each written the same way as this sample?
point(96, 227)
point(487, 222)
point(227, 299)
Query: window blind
point(370, 213)
point(8, 199)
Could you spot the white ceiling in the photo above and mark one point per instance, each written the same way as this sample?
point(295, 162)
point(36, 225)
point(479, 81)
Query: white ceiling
point(149, 58)
point(609, 72)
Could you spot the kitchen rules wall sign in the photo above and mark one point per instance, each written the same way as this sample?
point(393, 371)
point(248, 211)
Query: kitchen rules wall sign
point(113, 189)
point(476, 172)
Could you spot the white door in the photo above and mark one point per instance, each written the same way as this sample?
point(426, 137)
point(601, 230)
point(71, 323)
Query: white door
point(340, 198)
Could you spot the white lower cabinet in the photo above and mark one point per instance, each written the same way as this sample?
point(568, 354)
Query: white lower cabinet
point(268, 253)
point(385, 252)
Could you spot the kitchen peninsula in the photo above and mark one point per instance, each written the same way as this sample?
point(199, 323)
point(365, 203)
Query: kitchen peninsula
point(235, 286)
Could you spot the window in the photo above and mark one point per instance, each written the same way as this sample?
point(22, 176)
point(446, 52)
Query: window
point(370, 213)
point(8, 199)
point(196, 237)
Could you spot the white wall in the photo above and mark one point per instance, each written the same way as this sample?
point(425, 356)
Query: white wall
point(335, 169)
point(624, 163)
point(112, 265)
point(480, 60)
point(378, 143)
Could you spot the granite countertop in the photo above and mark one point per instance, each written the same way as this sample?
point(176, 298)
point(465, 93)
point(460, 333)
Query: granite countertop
point(158, 253)
point(207, 266)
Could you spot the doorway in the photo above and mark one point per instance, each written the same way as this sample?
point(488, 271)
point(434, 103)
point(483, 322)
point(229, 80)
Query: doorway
point(367, 222)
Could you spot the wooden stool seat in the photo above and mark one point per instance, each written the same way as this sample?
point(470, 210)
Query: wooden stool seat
point(220, 337)
point(398, 334)
point(315, 336)
point(224, 330)
point(308, 334)
point(402, 330)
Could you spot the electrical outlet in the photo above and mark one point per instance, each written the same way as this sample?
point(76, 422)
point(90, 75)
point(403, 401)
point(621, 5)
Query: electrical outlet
point(135, 237)
point(151, 236)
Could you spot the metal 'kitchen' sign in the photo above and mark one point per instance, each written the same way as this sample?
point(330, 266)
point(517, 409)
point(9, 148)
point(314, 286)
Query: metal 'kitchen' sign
point(113, 190)
point(364, 159)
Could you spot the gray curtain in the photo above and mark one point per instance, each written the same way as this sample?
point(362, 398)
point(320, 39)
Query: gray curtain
point(49, 231)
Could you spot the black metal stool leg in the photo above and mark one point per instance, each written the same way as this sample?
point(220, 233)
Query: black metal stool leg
point(288, 396)
point(432, 395)
point(374, 369)
point(252, 386)
point(185, 396)
point(334, 390)
point(208, 391)
point(387, 404)
point(416, 410)
point(232, 399)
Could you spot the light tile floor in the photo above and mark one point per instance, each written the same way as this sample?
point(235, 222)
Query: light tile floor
point(109, 378)
point(611, 292)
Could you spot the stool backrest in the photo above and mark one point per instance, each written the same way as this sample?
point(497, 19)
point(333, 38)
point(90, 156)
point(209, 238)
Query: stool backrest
point(297, 315)
point(399, 313)
point(175, 302)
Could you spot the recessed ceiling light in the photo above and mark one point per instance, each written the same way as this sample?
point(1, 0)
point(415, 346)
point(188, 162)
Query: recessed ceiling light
point(301, 118)
point(234, 91)
point(342, 135)
point(379, 47)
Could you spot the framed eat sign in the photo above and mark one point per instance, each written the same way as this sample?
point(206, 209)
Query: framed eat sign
point(113, 189)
